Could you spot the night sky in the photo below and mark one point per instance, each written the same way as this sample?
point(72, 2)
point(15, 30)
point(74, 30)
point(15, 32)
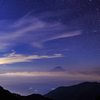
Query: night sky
point(38, 35)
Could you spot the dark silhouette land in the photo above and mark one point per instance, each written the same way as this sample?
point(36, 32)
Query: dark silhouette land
point(82, 91)
point(6, 95)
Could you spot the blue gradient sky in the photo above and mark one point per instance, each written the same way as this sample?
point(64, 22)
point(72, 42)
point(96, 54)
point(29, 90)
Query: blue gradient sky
point(38, 35)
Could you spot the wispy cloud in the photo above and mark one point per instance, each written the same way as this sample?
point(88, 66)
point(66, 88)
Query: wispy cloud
point(17, 30)
point(64, 35)
point(33, 31)
point(15, 58)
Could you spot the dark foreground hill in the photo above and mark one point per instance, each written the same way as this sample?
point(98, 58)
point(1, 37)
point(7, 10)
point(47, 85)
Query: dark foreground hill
point(83, 91)
point(6, 95)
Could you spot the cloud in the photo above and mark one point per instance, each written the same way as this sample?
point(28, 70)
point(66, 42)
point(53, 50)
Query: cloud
point(3, 46)
point(64, 35)
point(44, 76)
point(94, 71)
point(63, 75)
point(33, 31)
point(15, 58)
point(36, 44)
point(17, 30)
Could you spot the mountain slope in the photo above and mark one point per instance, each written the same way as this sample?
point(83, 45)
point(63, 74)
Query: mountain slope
point(5, 95)
point(83, 91)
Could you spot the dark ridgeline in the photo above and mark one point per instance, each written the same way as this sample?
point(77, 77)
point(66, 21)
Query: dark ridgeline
point(83, 91)
point(6, 95)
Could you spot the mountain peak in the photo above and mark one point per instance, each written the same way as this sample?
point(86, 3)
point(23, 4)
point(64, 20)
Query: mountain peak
point(58, 69)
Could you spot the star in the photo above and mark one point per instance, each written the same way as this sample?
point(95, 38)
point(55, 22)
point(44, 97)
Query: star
point(59, 20)
point(97, 9)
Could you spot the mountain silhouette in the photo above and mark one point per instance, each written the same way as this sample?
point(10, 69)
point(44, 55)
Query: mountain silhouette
point(82, 91)
point(58, 69)
point(6, 95)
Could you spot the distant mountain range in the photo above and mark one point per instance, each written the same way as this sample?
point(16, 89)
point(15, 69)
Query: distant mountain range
point(82, 91)
point(57, 69)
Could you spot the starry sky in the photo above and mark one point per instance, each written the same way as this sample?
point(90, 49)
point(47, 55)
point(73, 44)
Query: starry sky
point(38, 35)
